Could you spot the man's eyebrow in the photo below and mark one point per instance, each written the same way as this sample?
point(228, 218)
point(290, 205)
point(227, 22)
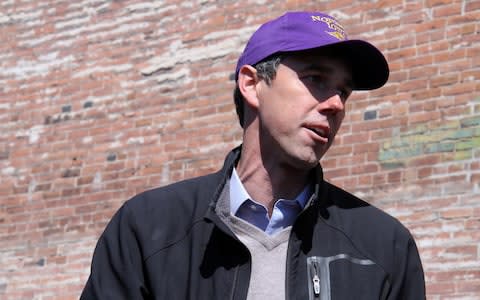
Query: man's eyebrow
point(323, 69)
point(315, 67)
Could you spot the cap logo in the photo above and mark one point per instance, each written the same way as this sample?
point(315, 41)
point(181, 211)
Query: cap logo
point(338, 31)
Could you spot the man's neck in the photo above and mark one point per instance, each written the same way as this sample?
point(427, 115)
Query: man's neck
point(268, 182)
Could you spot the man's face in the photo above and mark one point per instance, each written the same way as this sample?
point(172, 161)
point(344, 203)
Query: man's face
point(302, 109)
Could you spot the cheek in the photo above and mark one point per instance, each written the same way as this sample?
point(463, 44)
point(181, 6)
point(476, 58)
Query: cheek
point(279, 106)
point(340, 117)
point(336, 121)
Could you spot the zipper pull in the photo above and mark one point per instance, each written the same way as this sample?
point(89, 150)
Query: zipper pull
point(316, 285)
point(314, 273)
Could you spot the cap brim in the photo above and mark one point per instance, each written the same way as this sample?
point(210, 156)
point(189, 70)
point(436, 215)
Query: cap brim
point(369, 67)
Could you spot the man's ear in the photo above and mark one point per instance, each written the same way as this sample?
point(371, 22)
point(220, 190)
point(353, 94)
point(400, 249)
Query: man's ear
point(247, 83)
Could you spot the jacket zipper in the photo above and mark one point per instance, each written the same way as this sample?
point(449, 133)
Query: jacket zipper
point(312, 200)
point(314, 276)
point(316, 281)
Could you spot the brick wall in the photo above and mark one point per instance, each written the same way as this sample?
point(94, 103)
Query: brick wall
point(100, 100)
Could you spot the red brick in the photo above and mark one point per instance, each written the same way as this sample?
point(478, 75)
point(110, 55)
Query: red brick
point(456, 213)
point(472, 6)
point(433, 54)
point(446, 10)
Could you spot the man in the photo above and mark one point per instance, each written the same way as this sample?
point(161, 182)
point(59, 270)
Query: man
point(267, 226)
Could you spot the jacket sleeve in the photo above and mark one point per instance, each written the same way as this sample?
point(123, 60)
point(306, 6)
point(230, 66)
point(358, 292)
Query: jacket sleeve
point(117, 264)
point(411, 281)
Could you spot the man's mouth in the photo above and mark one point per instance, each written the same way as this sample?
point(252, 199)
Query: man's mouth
point(321, 131)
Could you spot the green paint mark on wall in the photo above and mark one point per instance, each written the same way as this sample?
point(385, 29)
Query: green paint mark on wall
point(460, 137)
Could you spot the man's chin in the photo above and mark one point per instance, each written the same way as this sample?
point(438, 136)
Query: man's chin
point(307, 163)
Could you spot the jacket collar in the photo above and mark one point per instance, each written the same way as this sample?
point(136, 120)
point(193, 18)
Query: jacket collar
point(224, 174)
point(222, 178)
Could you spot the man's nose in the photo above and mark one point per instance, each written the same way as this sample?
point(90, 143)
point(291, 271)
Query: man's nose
point(333, 104)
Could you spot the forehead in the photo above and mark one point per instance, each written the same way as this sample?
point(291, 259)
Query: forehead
point(324, 62)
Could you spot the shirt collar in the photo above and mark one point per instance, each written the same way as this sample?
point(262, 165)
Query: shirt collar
point(238, 194)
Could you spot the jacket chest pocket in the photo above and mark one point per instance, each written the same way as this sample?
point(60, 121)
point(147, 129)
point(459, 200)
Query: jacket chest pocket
point(343, 276)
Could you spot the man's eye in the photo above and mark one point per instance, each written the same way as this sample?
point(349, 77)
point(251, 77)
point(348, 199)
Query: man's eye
point(344, 94)
point(316, 80)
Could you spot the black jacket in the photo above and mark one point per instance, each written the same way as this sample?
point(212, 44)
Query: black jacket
point(168, 243)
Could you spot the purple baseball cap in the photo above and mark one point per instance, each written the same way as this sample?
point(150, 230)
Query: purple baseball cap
point(297, 31)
